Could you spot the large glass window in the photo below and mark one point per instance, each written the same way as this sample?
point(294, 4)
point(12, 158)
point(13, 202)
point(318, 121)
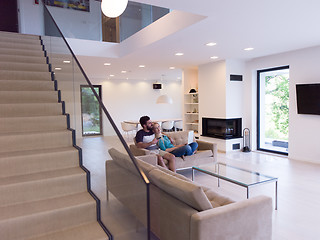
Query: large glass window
point(273, 109)
point(90, 111)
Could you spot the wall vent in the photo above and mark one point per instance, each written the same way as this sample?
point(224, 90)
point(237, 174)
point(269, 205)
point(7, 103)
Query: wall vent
point(236, 146)
point(234, 77)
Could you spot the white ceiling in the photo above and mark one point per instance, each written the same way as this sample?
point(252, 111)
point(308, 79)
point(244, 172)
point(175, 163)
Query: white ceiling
point(269, 26)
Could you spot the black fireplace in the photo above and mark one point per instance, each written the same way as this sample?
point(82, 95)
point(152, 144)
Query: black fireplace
point(222, 128)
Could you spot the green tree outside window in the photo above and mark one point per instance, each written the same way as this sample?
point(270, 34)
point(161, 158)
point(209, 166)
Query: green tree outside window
point(277, 106)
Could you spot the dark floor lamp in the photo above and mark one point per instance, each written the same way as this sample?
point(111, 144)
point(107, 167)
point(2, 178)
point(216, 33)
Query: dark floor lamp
point(246, 140)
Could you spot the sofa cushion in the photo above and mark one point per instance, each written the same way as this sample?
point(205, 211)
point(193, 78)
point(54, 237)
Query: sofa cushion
point(151, 159)
point(215, 199)
point(125, 161)
point(121, 159)
point(177, 175)
point(185, 191)
point(178, 138)
point(146, 167)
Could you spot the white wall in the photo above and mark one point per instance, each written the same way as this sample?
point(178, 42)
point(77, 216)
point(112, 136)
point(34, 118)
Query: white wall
point(131, 99)
point(30, 17)
point(212, 90)
point(304, 130)
point(234, 89)
point(220, 97)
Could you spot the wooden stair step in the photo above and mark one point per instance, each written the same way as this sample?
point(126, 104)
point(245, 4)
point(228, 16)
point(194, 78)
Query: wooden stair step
point(26, 85)
point(32, 124)
point(28, 97)
point(27, 67)
point(30, 109)
point(92, 231)
point(32, 161)
point(26, 220)
point(35, 140)
point(24, 75)
point(41, 185)
point(22, 59)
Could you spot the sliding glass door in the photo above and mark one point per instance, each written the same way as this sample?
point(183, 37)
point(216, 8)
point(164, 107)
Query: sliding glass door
point(273, 110)
point(90, 111)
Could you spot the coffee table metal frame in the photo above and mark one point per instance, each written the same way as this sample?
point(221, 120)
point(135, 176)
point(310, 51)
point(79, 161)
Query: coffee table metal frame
point(217, 175)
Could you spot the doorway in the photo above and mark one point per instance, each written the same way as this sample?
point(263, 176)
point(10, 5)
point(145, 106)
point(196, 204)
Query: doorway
point(273, 110)
point(90, 111)
point(9, 16)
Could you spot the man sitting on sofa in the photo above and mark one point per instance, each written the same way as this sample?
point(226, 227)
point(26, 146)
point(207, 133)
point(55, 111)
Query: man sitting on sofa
point(145, 138)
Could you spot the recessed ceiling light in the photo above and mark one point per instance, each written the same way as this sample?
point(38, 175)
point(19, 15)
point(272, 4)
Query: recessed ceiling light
point(58, 69)
point(210, 44)
point(107, 64)
point(123, 71)
point(248, 49)
point(111, 75)
point(214, 57)
point(179, 54)
point(66, 61)
point(172, 68)
point(142, 66)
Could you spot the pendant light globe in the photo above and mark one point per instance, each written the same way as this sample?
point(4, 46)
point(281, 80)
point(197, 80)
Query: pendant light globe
point(164, 99)
point(113, 8)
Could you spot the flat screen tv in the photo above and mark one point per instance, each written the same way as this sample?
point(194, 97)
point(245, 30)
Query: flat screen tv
point(308, 98)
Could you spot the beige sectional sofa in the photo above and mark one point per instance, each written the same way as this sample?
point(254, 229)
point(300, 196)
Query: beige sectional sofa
point(184, 210)
point(207, 152)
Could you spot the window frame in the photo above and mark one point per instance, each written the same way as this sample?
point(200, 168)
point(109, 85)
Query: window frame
point(259, 109)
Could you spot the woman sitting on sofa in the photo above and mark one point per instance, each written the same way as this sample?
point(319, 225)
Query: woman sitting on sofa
point(165, 144)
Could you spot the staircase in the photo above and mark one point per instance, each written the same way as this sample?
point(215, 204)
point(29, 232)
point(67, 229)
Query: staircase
point(43, 191)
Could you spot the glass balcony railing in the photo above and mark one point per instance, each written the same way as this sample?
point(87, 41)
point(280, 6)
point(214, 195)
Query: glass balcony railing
point(138, 16)
point(91, 24)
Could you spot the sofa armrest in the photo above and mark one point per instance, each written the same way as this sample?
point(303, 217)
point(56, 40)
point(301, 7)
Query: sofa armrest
point(249, 219)
point(151, 159)
point(138, 151)
point(204, 145)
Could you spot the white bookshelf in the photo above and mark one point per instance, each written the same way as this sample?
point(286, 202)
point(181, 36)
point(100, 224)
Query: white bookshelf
point(191, 112)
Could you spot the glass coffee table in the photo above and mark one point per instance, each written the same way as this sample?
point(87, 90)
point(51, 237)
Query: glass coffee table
point(239, 176)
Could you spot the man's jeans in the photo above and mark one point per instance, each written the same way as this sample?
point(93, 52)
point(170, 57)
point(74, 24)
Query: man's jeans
point(185, 150)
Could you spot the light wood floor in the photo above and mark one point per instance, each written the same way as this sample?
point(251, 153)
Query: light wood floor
point(298, 214)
